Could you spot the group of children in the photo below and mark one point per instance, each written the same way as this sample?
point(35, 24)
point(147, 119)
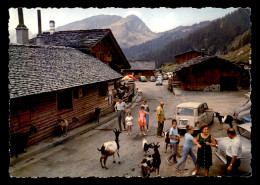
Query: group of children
point(143, 119)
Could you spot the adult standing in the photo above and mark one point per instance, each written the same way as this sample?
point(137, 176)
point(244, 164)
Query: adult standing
point(160, 118)
point(121, 108)
point(233, 152)
point(189, 142)
point(147, 109)
point(204, 154)
point(174, 140)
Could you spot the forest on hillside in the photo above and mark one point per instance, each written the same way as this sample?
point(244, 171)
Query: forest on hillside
point(214, 38)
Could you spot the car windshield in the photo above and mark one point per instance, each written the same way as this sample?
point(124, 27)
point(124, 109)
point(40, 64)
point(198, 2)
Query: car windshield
point(185, 111)
point(243, 132)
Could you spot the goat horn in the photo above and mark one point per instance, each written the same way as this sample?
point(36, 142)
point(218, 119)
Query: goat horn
point(157, 143)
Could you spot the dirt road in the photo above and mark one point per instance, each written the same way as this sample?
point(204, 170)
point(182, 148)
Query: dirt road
point(79, 157)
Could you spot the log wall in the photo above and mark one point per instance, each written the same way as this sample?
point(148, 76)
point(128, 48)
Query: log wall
point(42, 112)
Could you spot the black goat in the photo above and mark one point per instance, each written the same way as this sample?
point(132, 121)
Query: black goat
point(228, 119)
point(18, 141)
point(217, 114)
point(167, 139)
point(97, 114)
point(156, 159)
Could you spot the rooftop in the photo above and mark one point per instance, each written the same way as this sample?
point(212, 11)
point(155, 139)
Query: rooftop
point(38, 69)
point(142, 65)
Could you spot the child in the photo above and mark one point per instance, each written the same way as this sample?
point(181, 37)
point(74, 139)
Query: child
point(142, 120)
point(129, 122)
point(174, 140)
point(189, 142)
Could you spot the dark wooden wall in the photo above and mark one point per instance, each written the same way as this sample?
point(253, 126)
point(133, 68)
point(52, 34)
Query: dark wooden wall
point(186, 57)
point(199, 76)
point(42, 112)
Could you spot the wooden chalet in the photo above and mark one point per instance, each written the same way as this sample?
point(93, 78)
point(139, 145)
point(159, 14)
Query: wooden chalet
point(99, 43)
point(188, 55)
point(141, 68)
point(47, 83)
point(202, 72)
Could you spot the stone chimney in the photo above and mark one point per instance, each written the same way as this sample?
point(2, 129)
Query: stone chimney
point(39, 39)
point(52, 27)
point(22, 35)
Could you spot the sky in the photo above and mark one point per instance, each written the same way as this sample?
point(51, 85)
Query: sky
point(157, 19)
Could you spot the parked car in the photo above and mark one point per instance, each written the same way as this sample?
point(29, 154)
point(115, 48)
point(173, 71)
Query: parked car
point(159, 82)
point(244, 132)
point(194, 114)
point(159, 77)
point(143, 79)
point(152, 79)
point(130, 80)
point(242, 111)
point(165, 77)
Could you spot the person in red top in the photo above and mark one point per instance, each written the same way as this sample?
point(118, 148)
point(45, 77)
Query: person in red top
point(141, 120)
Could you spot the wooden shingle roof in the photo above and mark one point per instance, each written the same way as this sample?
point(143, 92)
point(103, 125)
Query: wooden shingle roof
point(39, 69)
point(76, 38)
point(82, 40)
point(198, 60)
point(142, 65)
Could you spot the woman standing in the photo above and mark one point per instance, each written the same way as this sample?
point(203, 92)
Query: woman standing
point(147, 109)
point(189, 142)
point(204, 155)
point(142, 120)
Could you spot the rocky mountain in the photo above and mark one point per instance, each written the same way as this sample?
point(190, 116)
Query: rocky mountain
point(131, 31)
point(94, 22)
point(128, 31)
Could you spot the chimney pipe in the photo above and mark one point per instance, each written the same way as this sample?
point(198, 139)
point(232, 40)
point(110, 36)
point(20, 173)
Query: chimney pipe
point(22, 35)
point(52, 27)
point(20, 16)
point(39, 39)
point(202, 52)
point(39, 22)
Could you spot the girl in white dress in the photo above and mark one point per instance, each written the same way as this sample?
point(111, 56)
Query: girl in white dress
point(129, 122)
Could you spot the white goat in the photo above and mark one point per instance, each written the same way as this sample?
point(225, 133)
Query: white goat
point(110, 148)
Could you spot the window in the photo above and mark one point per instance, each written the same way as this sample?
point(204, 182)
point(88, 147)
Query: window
point(102, 91)
point(75, 93)
point(64, 100)
point(185, 112)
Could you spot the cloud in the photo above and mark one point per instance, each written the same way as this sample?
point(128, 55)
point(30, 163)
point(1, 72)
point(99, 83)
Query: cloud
point(132, 12)
point(164, 22)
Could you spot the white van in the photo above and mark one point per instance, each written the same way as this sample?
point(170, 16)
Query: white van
point(194, 114)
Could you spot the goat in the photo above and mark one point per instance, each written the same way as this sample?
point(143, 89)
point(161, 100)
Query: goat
point(156, 159)
point(110, 148)
point(146, 146)
point(97, 114)
point(63, 125)
point(146, 166)
point(217, 114)
point(18, 141)
point(228, 119)
point(167, 139)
